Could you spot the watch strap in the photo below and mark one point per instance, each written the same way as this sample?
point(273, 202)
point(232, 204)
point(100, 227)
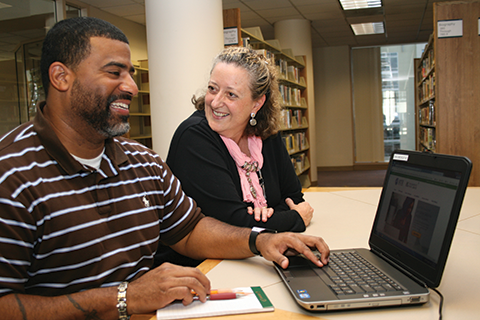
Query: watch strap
point(252, 240)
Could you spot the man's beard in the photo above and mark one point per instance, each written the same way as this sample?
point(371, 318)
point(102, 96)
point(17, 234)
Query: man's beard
point(95, 110)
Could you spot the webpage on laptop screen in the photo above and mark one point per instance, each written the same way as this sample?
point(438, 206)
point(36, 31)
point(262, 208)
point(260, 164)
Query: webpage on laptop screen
point(417, 209)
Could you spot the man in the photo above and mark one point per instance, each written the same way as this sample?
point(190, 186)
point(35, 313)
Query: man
point(82, 209)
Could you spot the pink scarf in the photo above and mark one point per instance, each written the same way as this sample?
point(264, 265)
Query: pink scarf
point(247, 168)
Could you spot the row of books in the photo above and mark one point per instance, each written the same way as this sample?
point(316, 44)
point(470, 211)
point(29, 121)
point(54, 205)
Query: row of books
point(300, 162)
point(293, 119)
point(285, 70)
point(427, 114)
point(295, 142)
point(428, 63)
point(267, 54)
point(290, 96)
point(427, 89)
point(427, 138)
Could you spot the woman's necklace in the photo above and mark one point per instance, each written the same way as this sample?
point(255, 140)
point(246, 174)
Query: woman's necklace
point(250, 167)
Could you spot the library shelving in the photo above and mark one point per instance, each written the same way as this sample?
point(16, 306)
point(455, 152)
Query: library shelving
point(293, 89)
point(140, 119)
point(425, 99)
point(447, 82)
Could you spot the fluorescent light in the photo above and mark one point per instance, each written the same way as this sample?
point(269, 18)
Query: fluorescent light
point(368, 28)
point(4, 5)
point(360, 4)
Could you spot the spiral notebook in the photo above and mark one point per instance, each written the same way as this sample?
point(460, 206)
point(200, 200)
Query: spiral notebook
point(253, 300)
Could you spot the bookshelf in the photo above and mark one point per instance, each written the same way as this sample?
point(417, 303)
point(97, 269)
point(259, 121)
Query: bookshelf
point(140, 120)
point(292, 86)
point(425, 99)
point(448, 77)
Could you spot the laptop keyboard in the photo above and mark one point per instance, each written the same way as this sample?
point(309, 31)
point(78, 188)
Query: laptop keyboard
point(352, 274)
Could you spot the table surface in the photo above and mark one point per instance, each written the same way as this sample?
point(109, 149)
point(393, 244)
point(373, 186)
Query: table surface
point(343, 217)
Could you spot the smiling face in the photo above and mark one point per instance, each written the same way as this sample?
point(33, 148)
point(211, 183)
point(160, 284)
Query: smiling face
point(228, 101)
point(103, 89)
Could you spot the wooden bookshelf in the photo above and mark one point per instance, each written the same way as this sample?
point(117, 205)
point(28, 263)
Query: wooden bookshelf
point(448, 78)
point(293, 88)
point(140, 120)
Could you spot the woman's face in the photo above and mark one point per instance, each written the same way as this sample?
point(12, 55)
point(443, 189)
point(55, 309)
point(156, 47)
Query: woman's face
point(228, 102)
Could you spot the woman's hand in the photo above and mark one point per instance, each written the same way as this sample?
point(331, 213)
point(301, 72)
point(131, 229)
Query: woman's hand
point(261, 213)
point(304, 209)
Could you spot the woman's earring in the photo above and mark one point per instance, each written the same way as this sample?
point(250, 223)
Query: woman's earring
point(253, 122)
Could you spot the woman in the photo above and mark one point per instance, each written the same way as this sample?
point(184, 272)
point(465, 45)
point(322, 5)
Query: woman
point(228, 155)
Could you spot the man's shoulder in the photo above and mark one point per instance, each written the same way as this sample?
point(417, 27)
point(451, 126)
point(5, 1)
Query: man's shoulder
point(18, 138)
point(134, 149)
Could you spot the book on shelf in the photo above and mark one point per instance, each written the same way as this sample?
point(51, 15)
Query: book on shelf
point(252, 300)
point(293, 73)
point(427, 114)
point(427, 137)
point(282, 67)
point(267, 54)
point(298, 162)
point(290, 96)
point(293, 119)
point(295, 142)
point(427, 88)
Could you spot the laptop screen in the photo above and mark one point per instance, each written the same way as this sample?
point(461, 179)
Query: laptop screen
point(418, 213)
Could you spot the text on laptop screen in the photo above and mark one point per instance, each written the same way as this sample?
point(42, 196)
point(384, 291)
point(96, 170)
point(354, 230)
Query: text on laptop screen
point(416, 212)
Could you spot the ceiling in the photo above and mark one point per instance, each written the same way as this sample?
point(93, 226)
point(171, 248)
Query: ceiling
point(406, 21)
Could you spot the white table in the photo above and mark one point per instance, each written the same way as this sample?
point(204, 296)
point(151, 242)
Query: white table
point(343, 217)
point(344, 220)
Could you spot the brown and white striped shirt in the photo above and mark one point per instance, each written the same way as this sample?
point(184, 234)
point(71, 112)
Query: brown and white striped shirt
point(66, 228)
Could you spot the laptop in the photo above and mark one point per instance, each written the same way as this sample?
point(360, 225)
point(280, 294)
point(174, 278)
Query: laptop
point(409, 242)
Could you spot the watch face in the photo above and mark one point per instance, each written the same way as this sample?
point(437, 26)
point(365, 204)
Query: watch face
point(258, 229)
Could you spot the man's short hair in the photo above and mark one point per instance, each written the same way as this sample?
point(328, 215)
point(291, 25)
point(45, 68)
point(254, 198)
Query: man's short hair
point(68, 42)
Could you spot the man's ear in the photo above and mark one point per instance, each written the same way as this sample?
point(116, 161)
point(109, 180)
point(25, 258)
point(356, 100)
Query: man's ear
point(60, 76)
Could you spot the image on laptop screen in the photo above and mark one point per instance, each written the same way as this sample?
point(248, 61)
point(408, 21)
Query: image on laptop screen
point(417, 215)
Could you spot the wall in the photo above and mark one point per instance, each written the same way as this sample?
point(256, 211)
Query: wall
point(367, 105)
point(135, 32)
point(333, 103)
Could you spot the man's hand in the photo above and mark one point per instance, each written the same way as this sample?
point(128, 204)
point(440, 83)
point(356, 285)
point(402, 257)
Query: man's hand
point(260, 213)
point(275, 247)
point(165, 284)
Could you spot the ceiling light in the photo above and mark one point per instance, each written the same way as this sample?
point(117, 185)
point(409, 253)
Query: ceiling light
point(4, 5)
point(361, 29)
point(360, 4)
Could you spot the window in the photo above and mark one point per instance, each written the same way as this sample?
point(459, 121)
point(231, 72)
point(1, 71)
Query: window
point(398, 92)
point(22, 23)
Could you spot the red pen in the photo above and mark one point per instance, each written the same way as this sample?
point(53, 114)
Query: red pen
point(220, 296)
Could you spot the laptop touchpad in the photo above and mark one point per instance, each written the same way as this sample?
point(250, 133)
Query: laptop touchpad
point(302, 272)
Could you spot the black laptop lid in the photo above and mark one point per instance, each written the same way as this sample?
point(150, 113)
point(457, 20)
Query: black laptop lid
point(418, 212)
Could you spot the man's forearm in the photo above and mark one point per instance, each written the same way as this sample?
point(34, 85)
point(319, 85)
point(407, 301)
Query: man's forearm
point(212, 238)
point(93, 304)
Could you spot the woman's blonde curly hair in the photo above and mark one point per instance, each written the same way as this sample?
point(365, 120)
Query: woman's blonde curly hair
point(263, 81)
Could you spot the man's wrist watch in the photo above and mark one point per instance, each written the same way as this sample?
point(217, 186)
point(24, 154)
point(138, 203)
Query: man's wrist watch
point(252, 240)
point(122, 301)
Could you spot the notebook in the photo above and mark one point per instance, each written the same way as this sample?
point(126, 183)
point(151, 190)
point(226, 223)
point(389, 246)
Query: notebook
point(252, 300)
point(409, 242)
